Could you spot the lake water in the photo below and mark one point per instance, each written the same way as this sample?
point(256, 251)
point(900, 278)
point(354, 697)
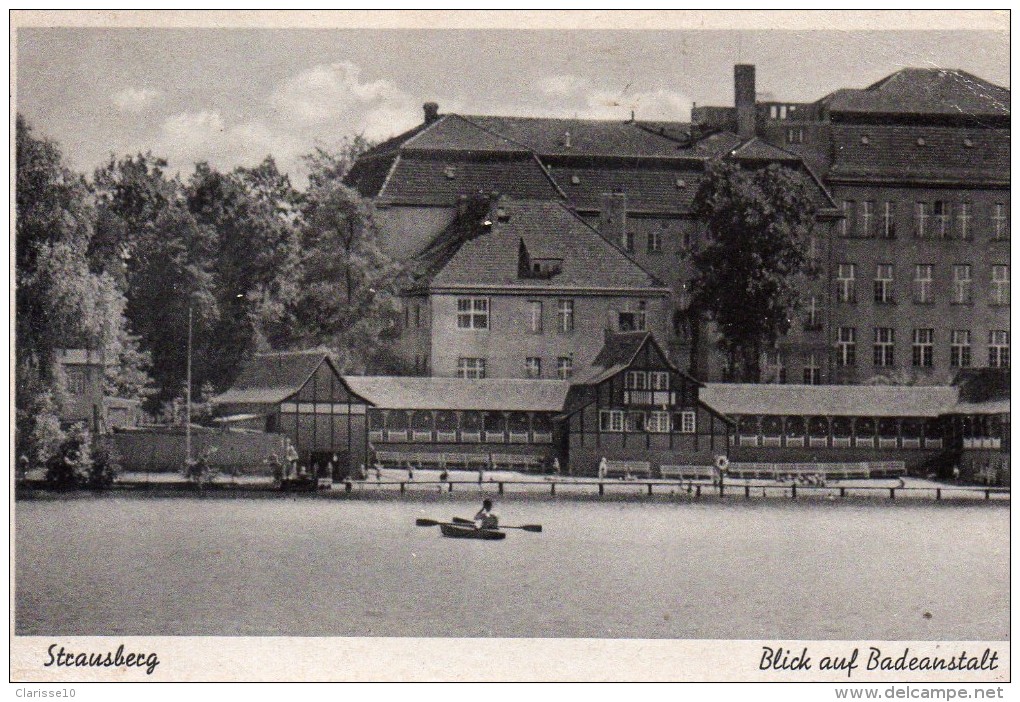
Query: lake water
point(120, 565)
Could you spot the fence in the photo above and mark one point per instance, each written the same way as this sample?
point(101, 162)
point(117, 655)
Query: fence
point(162, 449)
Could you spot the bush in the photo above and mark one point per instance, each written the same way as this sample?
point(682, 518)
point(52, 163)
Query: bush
point(71, 465)
point(105, 466)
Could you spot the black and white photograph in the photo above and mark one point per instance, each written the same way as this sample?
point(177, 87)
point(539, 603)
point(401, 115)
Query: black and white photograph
point(542, 346)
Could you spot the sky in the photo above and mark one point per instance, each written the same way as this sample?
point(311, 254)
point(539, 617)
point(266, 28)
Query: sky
point(233, 96)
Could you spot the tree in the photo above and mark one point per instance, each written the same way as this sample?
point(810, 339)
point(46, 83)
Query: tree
point(348, 293)
point(747, 274)
point(332, 166)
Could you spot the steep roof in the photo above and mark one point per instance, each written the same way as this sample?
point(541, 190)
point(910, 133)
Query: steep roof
point(507, 394)
point(924, 91)
point(550, 230)
point(949, 154)
point(829, 400)
point(273, 377)
point(438, 179)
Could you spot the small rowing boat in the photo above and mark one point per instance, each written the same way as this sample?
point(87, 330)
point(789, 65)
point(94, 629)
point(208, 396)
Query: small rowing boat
point(465, 531)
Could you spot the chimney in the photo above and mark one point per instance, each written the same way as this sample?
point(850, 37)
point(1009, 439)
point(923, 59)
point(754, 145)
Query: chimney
point(743, 99)
point(613, 218)
point(432, 112)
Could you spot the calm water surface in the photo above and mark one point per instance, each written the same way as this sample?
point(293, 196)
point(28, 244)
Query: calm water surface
point(321, 567)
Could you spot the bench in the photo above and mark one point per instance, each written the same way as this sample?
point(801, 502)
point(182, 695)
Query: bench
point(513, 461)
point(687, 472)
point(623, 469)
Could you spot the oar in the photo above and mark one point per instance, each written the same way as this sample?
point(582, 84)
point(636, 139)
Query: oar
point(536, 528)
point(526, 527)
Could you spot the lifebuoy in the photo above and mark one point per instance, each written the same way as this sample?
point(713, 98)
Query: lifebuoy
point(722, 463)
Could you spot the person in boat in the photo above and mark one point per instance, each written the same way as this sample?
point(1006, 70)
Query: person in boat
point(486, 518)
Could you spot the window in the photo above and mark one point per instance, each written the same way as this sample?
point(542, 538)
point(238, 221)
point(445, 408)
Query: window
point(922, 283)
point(844, 224)
point(884, 283)
point(636, 380)
point(812, 371)
point(846, 283)
point(812, 253)
point(535, 316)
point(533, 367)
point(564, 367)
point(924, 348)
point(963, 220)
point(921, 220)
point(660, 380)
point(1000, 222)
point(76, 380)
point(959, 348)
point(961, 284)
point(611, 420)
point(867, 218)
point(795, 135)
point(889, 220)
point(473, 313)
point(654, 241)
point(634, 316)
point(998, 348)
point(628, 241)
point(941, 215)
point(1000, 284)
point(565, 316)
point(471, 368)
point(635, 421)
point(658, 422)
point(846, 346)
point(688, 422)
point(884, 346)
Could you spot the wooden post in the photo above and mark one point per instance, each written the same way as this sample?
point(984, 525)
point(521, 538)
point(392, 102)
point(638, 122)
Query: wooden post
point(842, 492)
point(793, 491)
point(602, 489)
point(988, 494)
point(649, 488)
point(747, 492)
point(697, 490)
point(938, 493)
point(552, 488)
point(402, 487)
point(348, 486)
point(892, 493)
point(451, 486)
point(501, 487)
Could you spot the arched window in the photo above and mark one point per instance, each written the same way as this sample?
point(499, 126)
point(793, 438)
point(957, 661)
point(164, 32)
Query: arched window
point(795, 426)
point(518, 421)
point(446, 420)
point(841, 427)
point(865, 426)
point(887, 427)
point(421, 420)
point(819, 427)
point(772, 425)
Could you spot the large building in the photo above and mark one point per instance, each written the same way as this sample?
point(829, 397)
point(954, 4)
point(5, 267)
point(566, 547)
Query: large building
point(911, 177)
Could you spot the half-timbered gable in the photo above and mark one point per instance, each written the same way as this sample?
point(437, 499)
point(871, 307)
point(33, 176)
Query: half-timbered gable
point(634, 405)
point(302, 396)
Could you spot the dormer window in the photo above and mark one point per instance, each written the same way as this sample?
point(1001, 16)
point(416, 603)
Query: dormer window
point(865, 140)
point(575, 180)
point(969, 143)
point(546, 267)
point(681, 183)
point(502, 215)
point(920, 141)
point(450, 172)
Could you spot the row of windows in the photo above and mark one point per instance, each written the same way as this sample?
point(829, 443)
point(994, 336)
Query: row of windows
point(473, 313)
point(655, 422)
point(962, 291)
point(931, 220)
point(922, 347)
point(474, 368)
point(646, 380)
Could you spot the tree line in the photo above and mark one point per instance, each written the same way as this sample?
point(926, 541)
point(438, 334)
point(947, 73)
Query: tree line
point(114, 261)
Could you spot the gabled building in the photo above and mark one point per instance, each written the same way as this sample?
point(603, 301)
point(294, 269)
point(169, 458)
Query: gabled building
point(632, 181)
point(633, 404)
point(526, 291)
point(302, 396)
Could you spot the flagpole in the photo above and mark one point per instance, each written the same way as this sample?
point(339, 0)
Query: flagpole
point(187, 411)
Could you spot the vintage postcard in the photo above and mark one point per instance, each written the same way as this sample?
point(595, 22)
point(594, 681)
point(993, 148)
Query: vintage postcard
point(511, 346)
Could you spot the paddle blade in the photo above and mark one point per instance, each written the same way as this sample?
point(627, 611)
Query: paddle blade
point(426, 522)
point(537, 528)
point(461, 520)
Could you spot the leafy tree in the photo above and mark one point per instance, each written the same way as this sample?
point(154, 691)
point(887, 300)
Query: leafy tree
point(348, 297)
point(747, 274)
point(327, 166)
point(71, 465)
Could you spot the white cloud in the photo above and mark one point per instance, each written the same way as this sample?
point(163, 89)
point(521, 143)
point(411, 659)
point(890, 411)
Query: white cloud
point(575, 95)
point(135, 100)
point(318, 106)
